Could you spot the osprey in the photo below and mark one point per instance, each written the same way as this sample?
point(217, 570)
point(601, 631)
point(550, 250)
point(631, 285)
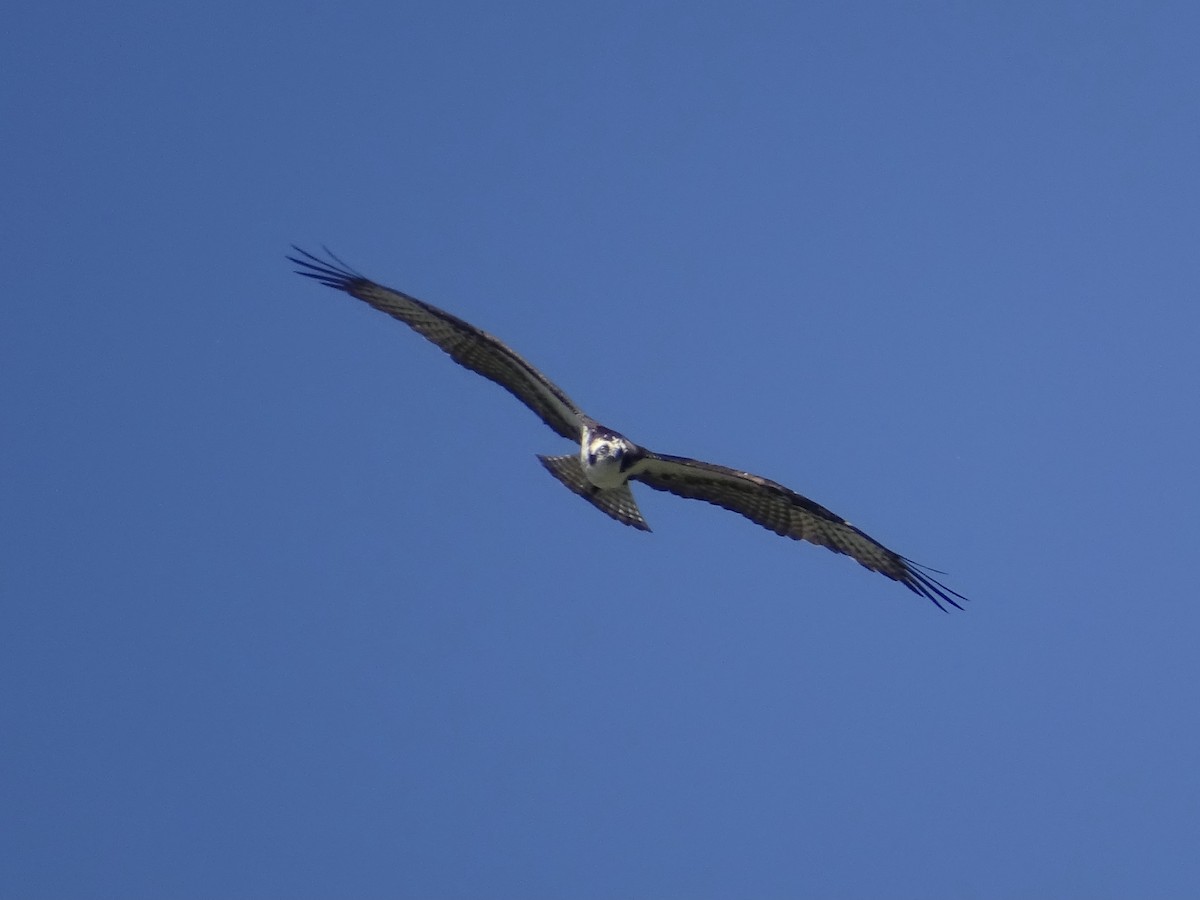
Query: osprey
point(607, 461)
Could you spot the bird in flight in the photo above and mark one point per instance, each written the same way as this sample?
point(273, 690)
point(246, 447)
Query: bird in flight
point(607, 461)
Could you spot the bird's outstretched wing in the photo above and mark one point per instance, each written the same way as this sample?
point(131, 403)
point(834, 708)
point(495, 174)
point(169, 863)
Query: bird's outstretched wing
point(785, 512)
point(467, 345)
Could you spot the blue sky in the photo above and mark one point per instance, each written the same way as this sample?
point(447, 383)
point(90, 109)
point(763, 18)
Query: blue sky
point(289, 607)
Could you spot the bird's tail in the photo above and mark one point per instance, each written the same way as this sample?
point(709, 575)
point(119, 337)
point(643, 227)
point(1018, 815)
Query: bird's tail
point(617, 502)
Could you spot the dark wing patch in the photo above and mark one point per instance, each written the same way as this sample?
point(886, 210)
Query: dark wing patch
point(467, 345)
point(616, 502)
point(787, 513)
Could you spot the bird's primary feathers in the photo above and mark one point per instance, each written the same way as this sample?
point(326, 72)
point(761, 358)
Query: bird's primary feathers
point(607, 461)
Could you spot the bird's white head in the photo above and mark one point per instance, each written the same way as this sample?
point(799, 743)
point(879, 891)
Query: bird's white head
point(603, 452)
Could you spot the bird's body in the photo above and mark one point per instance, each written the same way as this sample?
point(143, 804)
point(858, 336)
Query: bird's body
point(606, 461)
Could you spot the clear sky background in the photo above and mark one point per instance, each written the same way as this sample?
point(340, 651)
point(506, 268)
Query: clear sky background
point(290, 609)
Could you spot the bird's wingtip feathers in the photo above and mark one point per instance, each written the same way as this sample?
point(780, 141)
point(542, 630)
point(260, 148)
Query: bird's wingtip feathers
point(919, 580)
point(332, 272)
